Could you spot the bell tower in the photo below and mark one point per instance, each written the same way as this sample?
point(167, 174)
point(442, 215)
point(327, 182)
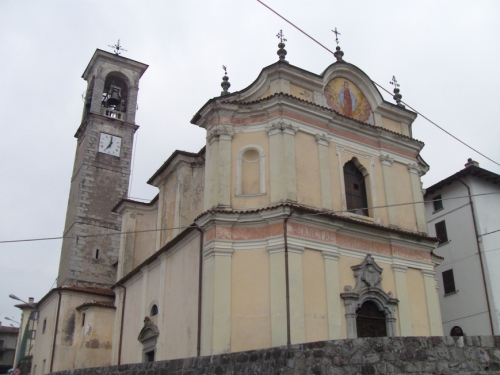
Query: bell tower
point(101, 171)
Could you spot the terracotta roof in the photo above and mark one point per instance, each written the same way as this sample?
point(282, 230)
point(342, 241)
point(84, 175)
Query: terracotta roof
point(4, 329)
point(108, 305)
point(81, 289)
point(323, 108)
point(470, 170)
point(323, 213)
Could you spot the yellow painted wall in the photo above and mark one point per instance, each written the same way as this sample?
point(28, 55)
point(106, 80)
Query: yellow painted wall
point(418, 303)
point(380, 192)
point(239, 141)
point(335, 175)
point(145, 242)
point(43, 348)
point(392, 125)
point(307, 165)
point(302, 93)
point(403, 193)
point(134, 321)
point(315, 311)
point(250, 300)
point(180, 317)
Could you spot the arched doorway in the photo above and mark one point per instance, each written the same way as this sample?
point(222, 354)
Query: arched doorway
point(370, 321)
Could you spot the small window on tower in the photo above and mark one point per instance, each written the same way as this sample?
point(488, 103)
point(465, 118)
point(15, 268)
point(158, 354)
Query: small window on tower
point(448, 282)
point(44, 325)
point(96, 254)
point(83, 319)
point(441, 233)
point(438, 203)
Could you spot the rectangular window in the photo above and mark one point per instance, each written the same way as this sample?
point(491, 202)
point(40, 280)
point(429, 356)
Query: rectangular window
point(448, 282)
point(32, 334)
point(149, 356)
point(44, 325)
point(441, 233)
point(83, 319)
point(438, 203)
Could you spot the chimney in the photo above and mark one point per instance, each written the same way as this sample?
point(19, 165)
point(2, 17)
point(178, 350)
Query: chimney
point(31, 299)
point(471, 162)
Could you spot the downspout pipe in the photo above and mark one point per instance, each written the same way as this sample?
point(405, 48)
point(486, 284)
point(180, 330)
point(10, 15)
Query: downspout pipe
point(287, 279)
point(121, 325)
point(55, 331)
point(480, 255)
point(200, 289)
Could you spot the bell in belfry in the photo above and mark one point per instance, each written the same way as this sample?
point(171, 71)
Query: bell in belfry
point(114, 96)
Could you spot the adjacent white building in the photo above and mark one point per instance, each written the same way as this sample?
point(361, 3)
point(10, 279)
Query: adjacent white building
point(464, 214)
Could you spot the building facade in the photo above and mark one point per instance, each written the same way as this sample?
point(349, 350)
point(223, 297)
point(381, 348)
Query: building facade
point(291, 225)
point(8, 342)
point(463, 214)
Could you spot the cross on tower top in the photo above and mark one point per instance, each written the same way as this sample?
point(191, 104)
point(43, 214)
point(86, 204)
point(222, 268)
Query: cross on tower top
point(281, 36)
point(336, 35)
point(394, 82)
point(117, 48)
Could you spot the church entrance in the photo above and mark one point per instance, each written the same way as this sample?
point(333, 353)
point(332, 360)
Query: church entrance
point(370, 322)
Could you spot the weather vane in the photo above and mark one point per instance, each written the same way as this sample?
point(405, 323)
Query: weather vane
point(336, 35)
point(225, 69)
point(117, 48)
point(394, 82)
point(281, 36)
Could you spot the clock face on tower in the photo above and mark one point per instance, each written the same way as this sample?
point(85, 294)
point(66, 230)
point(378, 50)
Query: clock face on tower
point(110, 144)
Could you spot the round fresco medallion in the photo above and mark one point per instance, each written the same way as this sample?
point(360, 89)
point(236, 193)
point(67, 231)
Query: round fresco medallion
point(344, 97)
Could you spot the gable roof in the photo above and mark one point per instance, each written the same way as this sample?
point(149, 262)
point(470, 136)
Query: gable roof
point(471, 170)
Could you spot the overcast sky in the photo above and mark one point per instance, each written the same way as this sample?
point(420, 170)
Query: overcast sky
point(445, 55)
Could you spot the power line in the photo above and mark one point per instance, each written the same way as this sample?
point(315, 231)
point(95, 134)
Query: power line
point(432, 122)
point(194, 226)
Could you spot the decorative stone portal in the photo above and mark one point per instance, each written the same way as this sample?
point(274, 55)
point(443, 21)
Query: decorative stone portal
point(367, 305)
point(148, 337)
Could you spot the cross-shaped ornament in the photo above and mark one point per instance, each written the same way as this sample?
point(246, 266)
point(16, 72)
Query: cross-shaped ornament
point(281, 36)
point(225, 70)
point(394, 82)
point(117, 48)
point(336, 35)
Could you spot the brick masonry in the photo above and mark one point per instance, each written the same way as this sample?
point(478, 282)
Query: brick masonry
point(370, 356)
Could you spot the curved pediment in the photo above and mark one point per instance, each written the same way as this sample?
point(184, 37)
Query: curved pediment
point(149, 331)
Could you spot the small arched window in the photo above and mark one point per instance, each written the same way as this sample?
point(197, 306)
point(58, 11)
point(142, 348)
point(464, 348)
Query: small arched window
point(250, 171)
point(154, 310)
point(456, 331)
point(355, 189)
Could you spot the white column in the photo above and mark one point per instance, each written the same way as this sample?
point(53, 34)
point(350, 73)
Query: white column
point(416, 189)
point(289, 160)
point(278, 294)
point(161, 343)
point(324, 171)
point(390, 198)
point(333, 301)
point(276, 163)
point(296, 289)
point(117, 325)
point(433, 308)
point(225, 137)
point(144, 307)
point(216, 325)
point(405, 328)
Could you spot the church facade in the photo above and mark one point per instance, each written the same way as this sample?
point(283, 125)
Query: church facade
point(295, 223)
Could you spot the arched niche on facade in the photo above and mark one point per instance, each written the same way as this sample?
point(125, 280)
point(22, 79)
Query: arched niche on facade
point(148, 337)
point(251, 171)
point(368, 275)
point(115, 92)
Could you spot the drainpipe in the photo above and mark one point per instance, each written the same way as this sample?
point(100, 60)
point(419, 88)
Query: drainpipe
point(480, 255)
point(287, 281)
point(121, 325)
point(200, 274)
point(55, 331)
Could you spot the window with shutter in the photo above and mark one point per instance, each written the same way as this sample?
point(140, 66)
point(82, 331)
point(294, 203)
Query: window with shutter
point(441, 233)
point(355, 190)
point(448, 282)
point(437, 202)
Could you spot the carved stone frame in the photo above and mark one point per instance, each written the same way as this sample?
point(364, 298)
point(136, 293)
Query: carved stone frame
point(148, 337)
point(368, 287)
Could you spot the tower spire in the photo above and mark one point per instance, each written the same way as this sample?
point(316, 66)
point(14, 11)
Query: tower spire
point(338, 52)
point(397, 96)
point(225, 82)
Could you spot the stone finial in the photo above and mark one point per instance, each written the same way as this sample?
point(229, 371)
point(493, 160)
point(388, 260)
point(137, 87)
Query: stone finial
point(397, 96)
point(225, 82)
point(339, 54)
point(281, 45)
point(471, 162)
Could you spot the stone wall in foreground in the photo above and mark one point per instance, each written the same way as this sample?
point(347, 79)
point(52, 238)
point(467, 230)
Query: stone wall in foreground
point(387, 355)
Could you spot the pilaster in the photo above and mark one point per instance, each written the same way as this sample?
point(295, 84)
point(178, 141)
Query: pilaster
point(144, 307)
point(416, 189)
point(334, 311)
point(324, 170)
point(216, 319)
point(433, 309)
point(405, 327)
point(161, 308)
point(296, 289)
point(278, 293)
point(119, 293)
point(390, 199)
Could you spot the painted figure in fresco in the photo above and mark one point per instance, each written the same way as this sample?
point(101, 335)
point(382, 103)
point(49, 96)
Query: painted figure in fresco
point(347, 100)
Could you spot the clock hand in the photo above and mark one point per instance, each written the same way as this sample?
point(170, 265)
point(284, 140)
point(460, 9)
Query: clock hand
point(110, 143)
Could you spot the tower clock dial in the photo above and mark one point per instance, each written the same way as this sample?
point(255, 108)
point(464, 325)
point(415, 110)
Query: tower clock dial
point(110, 144)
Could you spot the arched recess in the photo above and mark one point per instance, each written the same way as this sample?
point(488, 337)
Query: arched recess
point(251, 171)
point(116, 92)
point(368, 175)
point(368, 287)
point(153, 309)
